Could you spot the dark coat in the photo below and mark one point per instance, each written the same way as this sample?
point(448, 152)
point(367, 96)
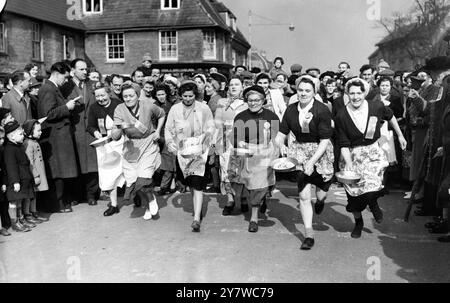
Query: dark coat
point(57, 146)
point(395, 104)
point(445, 172)
point(19, 106)
point(87, 155)
point(18, 170)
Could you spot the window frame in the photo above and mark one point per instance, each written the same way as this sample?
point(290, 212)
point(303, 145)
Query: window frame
point(85, 12)
point(34, 42)
point(214, 36)
point(160, 46)
point(3, 38)
point(163, 7)
point(107, 46)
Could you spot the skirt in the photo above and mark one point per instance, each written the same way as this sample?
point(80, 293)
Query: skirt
point(370, 162)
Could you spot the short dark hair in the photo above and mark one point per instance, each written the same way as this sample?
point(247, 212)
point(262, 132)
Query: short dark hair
point(366, 67)
point(116, 76)
point(187, 87)
point(133, 87)
point(384, 79)
point(17, 76)
point(60, 67)
point(101, 85)
point(237, 66)
point(139, 69)
point(29, 67)
point(308, 81)
point(74, 62)
point(343, 62)
point(161, 86)
point(263, 76)
point(357, 83)
point(278, 58)
point(331, 81)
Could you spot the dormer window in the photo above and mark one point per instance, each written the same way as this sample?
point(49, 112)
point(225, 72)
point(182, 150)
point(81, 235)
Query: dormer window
point(170, 4)
point(92, 7)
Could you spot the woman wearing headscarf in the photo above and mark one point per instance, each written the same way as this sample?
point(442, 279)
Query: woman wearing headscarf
point(190, 125)
point(141, 158)
point(255, 129)
point(358, 126)
point(310, 122)
point(200, 80)
point(230, 164)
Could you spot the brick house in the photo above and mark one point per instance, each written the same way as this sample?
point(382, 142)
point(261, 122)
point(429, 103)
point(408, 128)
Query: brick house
point(180, 35)
point(39, 32)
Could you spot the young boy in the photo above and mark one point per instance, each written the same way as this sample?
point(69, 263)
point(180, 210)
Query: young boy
point(19, 180)
point(4, 205)
point(32, 130)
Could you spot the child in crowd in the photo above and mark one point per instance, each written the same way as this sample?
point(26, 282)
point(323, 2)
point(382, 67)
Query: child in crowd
point(5, 116)
point(4, 215)
point(19, 180)
point(32, 130)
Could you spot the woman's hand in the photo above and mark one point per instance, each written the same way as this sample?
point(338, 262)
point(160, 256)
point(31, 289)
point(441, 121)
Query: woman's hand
point(37, 181)
point(155, 136)
point(97, 135)
point(116, 134)
point(309, 168)
point(4, 188)
point(172, 147)
point(283, 150)
point(439, 152)
point(402, 142)
point(348, 167)
point(16, 187)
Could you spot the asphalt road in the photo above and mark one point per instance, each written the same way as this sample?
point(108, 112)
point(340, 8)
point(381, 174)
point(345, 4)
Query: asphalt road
point(84, 246)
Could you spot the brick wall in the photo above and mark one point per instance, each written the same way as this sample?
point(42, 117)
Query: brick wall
point(19, 37)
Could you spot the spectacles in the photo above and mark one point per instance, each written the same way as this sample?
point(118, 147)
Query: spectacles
point(254, 101)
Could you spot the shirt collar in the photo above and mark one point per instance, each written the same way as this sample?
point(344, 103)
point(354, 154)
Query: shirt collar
point(19, 92)
point(77, 82)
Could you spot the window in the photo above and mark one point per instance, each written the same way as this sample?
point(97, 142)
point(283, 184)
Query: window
point(168, 49)
point(3, 47)
point(93, 6)
point(170, 4)
point(209, 45)
point(36, 42)
point(224, 54)
point(233, 57)
point(233, 23)
point(115, 47)
point(68, 48)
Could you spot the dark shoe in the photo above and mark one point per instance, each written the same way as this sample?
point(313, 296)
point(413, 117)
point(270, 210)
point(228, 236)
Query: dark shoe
point(263, 206)
point(4, 232)
point(227, 210)
point(307, 244)
point(30, 219)
point(68, 209)
point(319, 206)
point(213, 190)
point(111, 211)
point(357, 230)
point(19, 227)
point(244, 208)
point(37, 217)
point(377, 213)
point(26, 223)
point(444, 239)
point(74, 203)
point(92, 202)
point(162, 192)
point(440, 228)
point(253, 227)
point(195, 226)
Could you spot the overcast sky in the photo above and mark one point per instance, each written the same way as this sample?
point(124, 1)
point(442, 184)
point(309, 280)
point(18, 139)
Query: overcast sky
point(326, 31)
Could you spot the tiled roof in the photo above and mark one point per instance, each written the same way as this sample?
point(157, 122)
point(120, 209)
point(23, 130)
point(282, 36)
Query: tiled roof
point(52, 11)
point(140, 14)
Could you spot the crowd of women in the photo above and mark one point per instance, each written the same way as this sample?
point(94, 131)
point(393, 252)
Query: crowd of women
point(156, 129)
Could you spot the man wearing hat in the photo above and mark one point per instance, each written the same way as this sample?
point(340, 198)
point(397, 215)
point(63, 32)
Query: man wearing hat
point(247, 79)
point(33, 93)
point(382, 65)
point(313, 72)
point(16, 99)
point(147, 65)
point(218, 80)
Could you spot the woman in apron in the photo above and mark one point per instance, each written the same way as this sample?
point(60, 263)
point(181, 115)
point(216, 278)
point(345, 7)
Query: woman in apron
point(310, 122)
point(190, 126)
point(109, 154)
point(230, 164)
point(358, 126)
point(141, 157)
point(255, 129)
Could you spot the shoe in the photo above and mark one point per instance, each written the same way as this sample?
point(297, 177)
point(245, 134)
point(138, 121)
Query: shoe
point(444, 239)
point(244, 208)
point(137, 201)
point(195, 226)
point(40, 218)
point(253, 227)
point(263, 206)
point(111, 211)
point(26, 223)
point(68, 208)
point(227, 210)
point(213, 190)
point(357, 230)
point(92, 202)
point(153, 205)
point(30, 219)
point(319, 206)
point(440, 228)
point(162, 192)
point(307, 244)
point(17, 226)
point(147, 215)
point(377, 213)
point(74, 203)
point(5, 232)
